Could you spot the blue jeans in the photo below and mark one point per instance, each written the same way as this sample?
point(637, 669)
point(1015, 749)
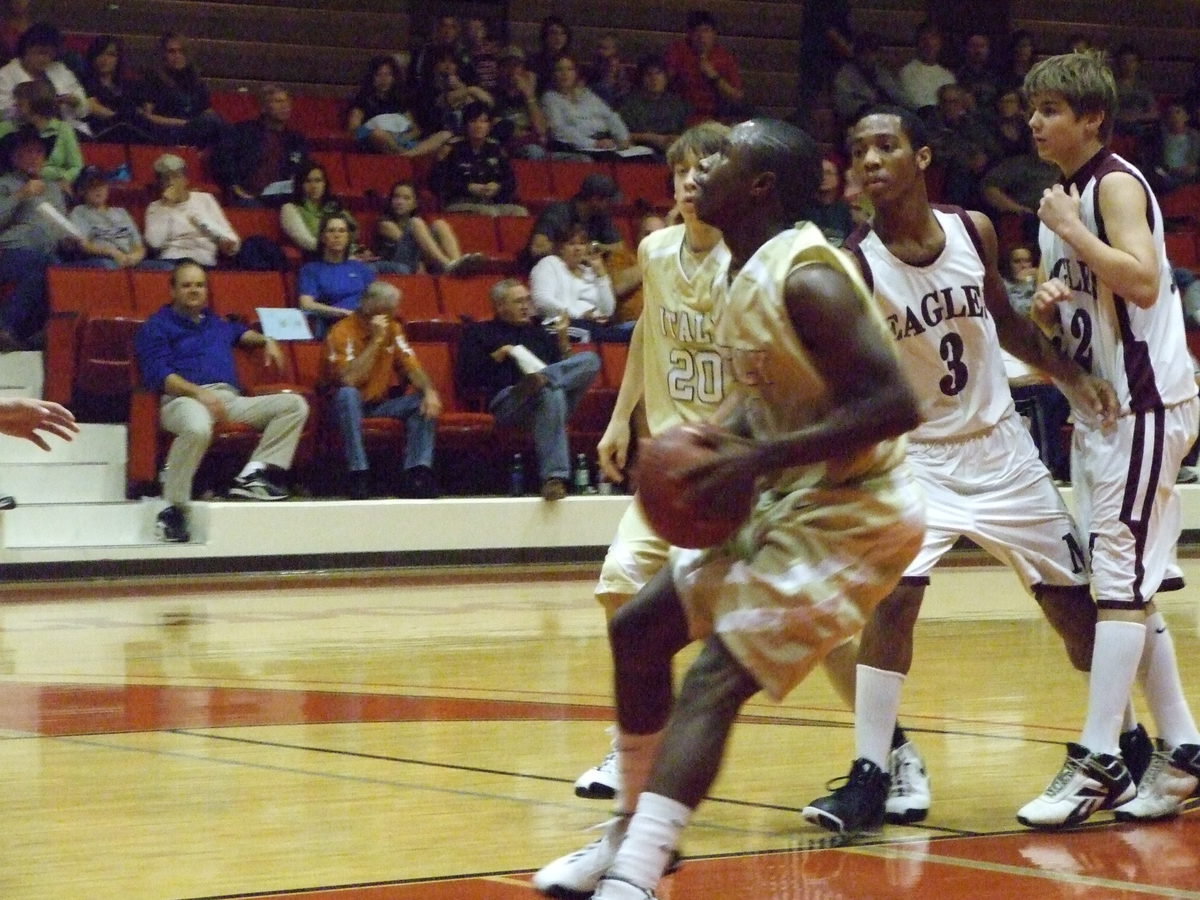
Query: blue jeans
point(350, 411)
point(26, 309)
point(546, 412)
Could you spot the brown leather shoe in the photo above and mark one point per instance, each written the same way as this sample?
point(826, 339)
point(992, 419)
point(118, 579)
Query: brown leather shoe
point(553, 489)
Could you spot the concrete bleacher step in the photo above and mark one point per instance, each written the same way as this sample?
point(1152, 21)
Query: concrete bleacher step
point(65, 529)
point(89, 469)
point(21, 374)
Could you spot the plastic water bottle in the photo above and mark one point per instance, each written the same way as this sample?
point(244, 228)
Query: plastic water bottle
point(583, 475)
point(516, 477)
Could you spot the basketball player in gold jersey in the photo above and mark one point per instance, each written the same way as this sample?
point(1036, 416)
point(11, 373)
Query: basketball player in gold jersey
point(816, 404)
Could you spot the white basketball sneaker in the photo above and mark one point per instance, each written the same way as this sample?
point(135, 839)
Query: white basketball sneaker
point(612, 888)
point(1171, 778)
point(1087, 782)
point(577, 874)
point(601, 781)
point(908, 798)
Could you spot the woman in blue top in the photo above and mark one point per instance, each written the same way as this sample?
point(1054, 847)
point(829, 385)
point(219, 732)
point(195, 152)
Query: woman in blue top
point(331, 287)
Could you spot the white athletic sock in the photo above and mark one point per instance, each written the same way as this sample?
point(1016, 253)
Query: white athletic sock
point(1115, 657)
point(652, 836)
point(636, 754)
point(1162, 687)
point(1130, 721)
point(877, 704)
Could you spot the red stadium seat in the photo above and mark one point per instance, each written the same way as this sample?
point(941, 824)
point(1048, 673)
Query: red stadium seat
point(513, 233)
point(1181, 248)
point(151, 291)
point(234, 106)
point(84, 305)
point(374, 175)
point(334, 162)
point(419, 297)
point(568, 176)
point(535, 186)
point(240, 293)
point(142, 157)
point(466, 297)
point(476, 233)
point(649, 183)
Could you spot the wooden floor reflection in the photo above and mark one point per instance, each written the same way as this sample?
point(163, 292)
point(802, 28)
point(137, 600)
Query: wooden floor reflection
point(417, 736)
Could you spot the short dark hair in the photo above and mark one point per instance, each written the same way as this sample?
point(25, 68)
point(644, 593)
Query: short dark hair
point(40, 96)
point(698, 17)
point(793, 156)
point(911, 124)
point(183, 263)
point(99, 45)
point(39, 34)
point(474, 110)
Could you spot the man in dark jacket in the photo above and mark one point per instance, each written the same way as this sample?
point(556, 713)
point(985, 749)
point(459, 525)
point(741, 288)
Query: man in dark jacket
point(256, 161)
point(531, 378)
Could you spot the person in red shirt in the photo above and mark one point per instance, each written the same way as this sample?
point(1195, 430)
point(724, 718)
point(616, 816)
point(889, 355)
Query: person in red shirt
point(704, 73)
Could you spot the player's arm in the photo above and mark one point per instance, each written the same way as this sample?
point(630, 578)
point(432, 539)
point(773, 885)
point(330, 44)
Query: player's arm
point(1128, 262)
point(869, 398)
point(613, 449)
point(1023, 338)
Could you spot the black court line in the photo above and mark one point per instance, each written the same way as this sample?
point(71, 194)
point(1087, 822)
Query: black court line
point(332, 751)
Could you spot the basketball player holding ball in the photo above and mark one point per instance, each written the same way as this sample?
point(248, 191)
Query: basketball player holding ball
point(676, 370)
point(816, 388)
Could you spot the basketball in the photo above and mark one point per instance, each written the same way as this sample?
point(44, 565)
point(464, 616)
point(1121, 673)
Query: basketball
point(663, 462)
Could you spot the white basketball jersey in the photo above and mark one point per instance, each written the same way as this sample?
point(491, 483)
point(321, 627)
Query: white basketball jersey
point(1142, 352)
point(682, 369)
point(770, 372)
point(944, 334)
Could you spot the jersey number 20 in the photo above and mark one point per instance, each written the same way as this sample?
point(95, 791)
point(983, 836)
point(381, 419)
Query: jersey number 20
point(695, 376)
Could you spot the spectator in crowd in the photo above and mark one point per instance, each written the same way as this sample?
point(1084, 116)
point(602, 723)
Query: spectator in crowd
point(622, 263)
point(580, 122)
point(592, 206)
point(300, 218)
point(407, 245)
point(370, 365)
point(440, 105)
point(330, 287)
point(831, 213)
point(1179, 157)
point(1014, 186)
point(110, 237)
point(36, 105)
point(654, 115)
point(962, 143)
point(257, 161)
point(520, 124)
point(380, 118)
point(977, 75)
point(447, 36)
point(28, 241)
point(1019, 272)
point(530, 377)
point(864, 80)
point(923, 76)
point(37, 60)
point(112, 113)
point(175, 100)
point(1137, 107)
point(704, 73)
point(1018, 60)
point(185, 351)
point(554, 41)
point(573, 281)
point(826, 44)
point(482, 52)
point(187, 224)
point(607, 74)
point(1010, 125)
point(15, 22)
point(1080, 43)
point(475, 175)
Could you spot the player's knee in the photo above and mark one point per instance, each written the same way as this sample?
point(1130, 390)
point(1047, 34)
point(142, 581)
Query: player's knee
point(716, 681)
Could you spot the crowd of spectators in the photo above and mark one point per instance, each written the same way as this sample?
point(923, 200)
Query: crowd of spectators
point(468, 103)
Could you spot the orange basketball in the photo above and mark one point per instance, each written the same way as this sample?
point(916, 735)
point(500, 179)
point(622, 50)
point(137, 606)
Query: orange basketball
point(703, 521)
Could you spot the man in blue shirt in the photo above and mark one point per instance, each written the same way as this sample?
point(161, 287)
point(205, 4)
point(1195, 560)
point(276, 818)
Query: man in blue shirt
point(186, 352)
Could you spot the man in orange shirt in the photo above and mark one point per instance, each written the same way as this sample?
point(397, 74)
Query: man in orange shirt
point(370, 363)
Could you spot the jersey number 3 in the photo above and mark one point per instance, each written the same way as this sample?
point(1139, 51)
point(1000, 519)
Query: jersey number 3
point(952, 353)
point(695, 376)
